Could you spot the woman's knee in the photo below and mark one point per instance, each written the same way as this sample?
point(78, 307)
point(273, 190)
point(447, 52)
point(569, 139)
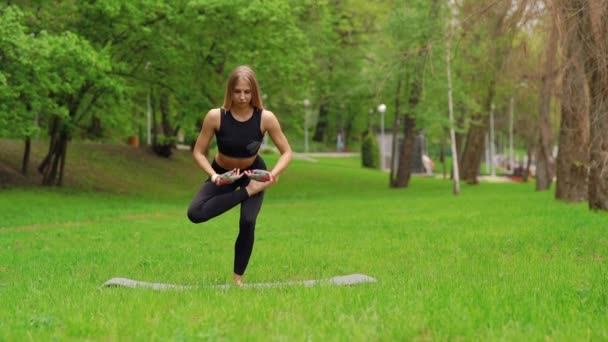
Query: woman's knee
point(247, 223)
point(197, 216)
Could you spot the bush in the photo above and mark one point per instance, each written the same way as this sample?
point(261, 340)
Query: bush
point(370, 151)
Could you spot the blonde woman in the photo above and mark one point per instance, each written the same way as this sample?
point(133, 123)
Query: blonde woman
point(238, 174)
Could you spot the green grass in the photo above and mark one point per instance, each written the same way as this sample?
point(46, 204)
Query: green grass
point(499, 262)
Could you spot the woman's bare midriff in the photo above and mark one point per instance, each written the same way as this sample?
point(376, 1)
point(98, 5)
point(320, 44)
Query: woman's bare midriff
point(230, 163)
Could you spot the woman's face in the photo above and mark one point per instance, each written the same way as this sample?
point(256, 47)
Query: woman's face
point(241, 94)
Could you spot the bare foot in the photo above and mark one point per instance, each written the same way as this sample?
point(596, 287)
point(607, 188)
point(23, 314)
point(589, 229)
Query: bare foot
point(238, 280)
point(255, 187)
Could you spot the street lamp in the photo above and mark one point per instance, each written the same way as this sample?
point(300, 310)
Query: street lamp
point(492, 150)
point(306, 104)
point(382, 110)
point(511, 158)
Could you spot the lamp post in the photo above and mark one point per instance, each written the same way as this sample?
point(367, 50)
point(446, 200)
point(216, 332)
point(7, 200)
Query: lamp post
point(511, 157)
point(382, 110)
point(306, 104)
point(492, 150)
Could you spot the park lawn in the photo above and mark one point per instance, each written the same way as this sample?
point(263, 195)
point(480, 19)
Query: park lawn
point(498, 262)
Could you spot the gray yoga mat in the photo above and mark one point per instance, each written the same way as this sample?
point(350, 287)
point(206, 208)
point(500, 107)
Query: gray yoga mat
point(345, 280)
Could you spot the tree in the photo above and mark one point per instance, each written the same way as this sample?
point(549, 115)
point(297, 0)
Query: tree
point(544, 159)
point(341, 37)
point(573, 153)
point(418, 59)
point(16, 81)
point(24, 84)
point(595, 21)
point(453, 148)
point(491, 43)
point(81, 76)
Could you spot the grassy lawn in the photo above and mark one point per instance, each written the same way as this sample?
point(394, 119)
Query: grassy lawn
point(499, 262)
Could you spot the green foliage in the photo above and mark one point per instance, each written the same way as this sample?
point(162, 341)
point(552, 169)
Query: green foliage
point(341, 90)
point(18, 77)
point(370, 153)
point(49, 75)
point(346, 57)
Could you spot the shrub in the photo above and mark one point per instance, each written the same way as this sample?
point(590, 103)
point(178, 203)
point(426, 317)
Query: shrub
point(370, 153)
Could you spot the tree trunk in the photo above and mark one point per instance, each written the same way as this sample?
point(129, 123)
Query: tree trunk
point(544, 159)
point(526, 175)
point(404, 169)
point(321, 128)
point(53, 128)
point(596, 30)
point(573, 156)
point(165, 114)
point(442, 158)
point(395, 140)
point(598, 171)
point(54, 167)
point(164, 147)
point(95, 131)
point(405, 155)
point(26, 156)
point(458, 138)
point(473, 149)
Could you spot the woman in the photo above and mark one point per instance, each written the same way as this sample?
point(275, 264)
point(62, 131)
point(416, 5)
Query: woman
point(234, 175)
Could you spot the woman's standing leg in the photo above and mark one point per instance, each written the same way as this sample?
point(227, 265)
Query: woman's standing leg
point(250, 208)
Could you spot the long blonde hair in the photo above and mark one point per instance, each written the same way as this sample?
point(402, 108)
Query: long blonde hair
point(243, 72)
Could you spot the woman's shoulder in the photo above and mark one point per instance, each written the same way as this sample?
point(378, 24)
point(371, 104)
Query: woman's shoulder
point(267, 115)
point(269, 120)
point(215, 111)
point(213, 116)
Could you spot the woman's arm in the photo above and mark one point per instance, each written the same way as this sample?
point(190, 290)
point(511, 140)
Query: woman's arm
point(272, 126)
point(210, 124)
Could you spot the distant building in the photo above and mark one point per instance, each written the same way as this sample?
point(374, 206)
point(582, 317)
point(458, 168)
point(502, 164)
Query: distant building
point(420, 149)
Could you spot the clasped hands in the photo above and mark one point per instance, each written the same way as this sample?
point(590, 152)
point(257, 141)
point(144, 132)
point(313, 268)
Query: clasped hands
point(236, 174)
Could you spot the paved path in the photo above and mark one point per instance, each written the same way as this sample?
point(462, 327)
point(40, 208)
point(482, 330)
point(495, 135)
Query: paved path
point(311, 156)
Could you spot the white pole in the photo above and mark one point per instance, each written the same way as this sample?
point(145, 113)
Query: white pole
point(487, 141)
point(492, 151)
point(305, 133)
point(382, 110)
point(306, 104)
point(451, 112)
point(382, 129)
point(511, 154)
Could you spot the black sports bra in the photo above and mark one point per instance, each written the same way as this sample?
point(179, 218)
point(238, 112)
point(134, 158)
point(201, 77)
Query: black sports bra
point(239, 139)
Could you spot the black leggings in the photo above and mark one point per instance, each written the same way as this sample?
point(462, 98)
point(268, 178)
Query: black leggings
point(212, 200)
